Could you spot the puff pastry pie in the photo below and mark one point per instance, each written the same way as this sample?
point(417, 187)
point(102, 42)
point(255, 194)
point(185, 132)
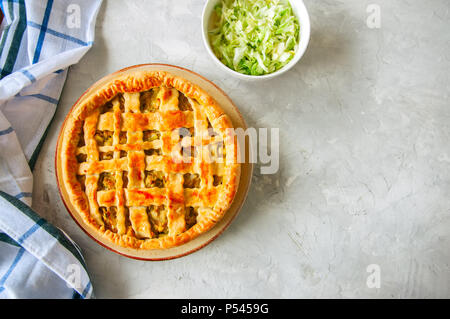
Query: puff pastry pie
point(149, 160)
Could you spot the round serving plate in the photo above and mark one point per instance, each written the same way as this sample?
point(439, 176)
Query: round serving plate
point(202, 240)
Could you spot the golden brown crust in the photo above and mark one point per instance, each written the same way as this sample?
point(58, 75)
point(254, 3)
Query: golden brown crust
point(132, 226)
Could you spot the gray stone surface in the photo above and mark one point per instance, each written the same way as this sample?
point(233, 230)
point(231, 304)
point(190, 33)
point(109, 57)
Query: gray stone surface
point(364, 173)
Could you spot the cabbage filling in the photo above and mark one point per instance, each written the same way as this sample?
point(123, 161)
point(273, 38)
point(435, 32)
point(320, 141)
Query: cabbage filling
point(254, 37)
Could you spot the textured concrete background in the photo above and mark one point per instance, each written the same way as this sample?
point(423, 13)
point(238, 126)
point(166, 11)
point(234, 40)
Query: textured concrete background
point(364, 173)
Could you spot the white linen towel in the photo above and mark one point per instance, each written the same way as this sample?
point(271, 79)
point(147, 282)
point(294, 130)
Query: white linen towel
point(39, 41)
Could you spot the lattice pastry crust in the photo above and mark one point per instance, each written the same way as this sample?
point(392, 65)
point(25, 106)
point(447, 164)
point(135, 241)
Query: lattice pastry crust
point(149, 160)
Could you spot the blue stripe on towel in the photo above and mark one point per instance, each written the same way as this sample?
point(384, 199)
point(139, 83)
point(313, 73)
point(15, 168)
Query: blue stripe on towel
point(13, 265)
point(7, 131)
point(30, 231)
point(59, 34)
point(37, 52)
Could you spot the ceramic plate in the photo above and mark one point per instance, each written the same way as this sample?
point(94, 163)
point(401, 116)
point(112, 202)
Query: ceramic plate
point(203, 239)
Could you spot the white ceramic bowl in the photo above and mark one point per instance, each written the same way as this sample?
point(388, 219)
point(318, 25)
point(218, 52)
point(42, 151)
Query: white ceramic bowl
point(305, 28)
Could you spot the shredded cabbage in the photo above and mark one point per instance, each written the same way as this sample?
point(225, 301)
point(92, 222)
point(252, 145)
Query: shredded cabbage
point(254, 37)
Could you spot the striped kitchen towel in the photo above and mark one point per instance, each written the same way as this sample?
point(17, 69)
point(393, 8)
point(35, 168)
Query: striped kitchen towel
point(39, 40)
